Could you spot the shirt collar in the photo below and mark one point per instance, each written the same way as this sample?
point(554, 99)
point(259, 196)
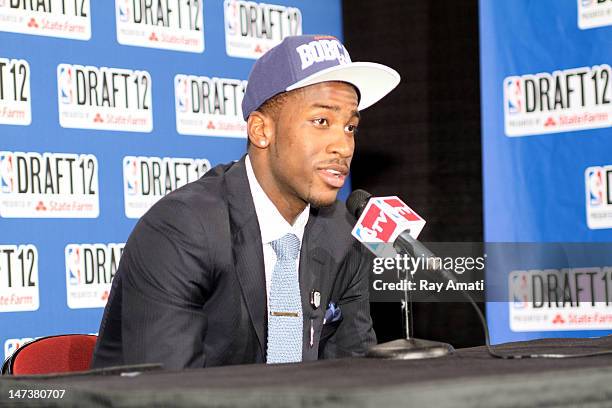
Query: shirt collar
point(271, 223)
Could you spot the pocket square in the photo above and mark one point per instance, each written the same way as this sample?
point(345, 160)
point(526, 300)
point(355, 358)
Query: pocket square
point(332, 314)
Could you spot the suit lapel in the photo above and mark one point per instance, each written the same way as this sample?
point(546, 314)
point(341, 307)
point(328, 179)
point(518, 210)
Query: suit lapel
point(247, 249)
point(314, 276)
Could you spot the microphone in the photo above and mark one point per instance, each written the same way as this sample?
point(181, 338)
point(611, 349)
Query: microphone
point(384, 220)
point(357, 201)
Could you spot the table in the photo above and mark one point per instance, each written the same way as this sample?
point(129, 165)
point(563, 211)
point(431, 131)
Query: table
point(468, 378)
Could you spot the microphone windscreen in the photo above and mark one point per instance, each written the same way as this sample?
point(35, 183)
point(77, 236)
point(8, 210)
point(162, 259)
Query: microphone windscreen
point(357, 201)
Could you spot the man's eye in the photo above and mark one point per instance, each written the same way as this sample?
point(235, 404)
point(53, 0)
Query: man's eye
point(320, 122)
point(351, 128)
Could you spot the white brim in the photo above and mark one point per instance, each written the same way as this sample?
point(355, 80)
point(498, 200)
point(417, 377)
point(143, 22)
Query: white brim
point(373, 80)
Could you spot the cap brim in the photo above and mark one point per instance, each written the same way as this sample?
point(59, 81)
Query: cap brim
point(373, 80)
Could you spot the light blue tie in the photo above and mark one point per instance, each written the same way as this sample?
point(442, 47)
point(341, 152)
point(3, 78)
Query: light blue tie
point(285, 322)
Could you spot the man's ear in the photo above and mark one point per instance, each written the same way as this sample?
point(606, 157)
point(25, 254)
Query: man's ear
point(260, 128)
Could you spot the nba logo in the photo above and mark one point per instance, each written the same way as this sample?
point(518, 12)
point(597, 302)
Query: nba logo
point(123, 7)
point(595, 186)
point(378, 224)
point(65, 84)
point(73, 264)
point(6, 173)
point(130, 174)
point(231, 17)
point(182, 94)
point(11, 345)
point(402, 209)
point(519, 289)
point(512, 91)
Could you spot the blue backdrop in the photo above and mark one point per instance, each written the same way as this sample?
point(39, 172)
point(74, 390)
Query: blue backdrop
point(104, 108)
point(547, 148)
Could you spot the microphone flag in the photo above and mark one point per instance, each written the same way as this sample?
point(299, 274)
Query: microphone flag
point(382, 221)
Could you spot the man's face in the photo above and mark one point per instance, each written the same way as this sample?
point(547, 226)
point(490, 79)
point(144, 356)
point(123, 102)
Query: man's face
point(314, 141)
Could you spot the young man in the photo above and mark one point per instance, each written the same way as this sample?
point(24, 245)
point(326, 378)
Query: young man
point(254, 262)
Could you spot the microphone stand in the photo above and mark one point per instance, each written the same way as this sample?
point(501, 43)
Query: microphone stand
point(409, 348)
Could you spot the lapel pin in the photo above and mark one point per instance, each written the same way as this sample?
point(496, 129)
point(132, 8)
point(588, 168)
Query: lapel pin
point(315, 299)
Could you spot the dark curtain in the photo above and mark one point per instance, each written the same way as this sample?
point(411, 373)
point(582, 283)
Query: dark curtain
point(422, 142)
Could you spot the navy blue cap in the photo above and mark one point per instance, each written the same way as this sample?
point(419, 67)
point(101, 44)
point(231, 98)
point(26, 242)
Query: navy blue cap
point(304, 60)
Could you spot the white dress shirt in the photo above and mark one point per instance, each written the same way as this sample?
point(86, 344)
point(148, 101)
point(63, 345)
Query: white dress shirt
point(272, 224)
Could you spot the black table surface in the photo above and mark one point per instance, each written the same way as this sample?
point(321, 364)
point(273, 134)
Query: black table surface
point(469, 377)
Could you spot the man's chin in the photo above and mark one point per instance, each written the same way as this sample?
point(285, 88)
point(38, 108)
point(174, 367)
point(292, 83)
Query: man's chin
point(323, 200)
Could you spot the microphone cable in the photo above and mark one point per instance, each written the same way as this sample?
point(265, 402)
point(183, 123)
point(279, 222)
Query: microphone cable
point(505, 356)
point(356, 203)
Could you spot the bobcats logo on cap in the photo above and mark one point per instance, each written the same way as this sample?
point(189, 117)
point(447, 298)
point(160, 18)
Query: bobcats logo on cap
point(322, 50)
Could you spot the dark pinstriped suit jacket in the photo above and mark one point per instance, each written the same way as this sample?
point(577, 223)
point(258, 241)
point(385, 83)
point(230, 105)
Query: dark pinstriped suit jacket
point(190, 290)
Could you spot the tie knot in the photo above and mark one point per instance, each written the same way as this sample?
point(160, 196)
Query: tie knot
point(287, 246)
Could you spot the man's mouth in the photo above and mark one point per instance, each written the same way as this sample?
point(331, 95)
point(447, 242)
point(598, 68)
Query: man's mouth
point(334, 175)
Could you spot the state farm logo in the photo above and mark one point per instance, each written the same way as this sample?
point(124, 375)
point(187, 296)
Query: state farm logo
point(90, 269)
point(598, 188)
point(558, 319)
point(11, 345)
point(15, 106)
point(147, 179)
point(209, 106)
point(176, 25)
point(52, 18)
point(19, 290)
point(594, 13)
point(564, 101)
point(104, 98)
point(48, 185)
point(252, 28)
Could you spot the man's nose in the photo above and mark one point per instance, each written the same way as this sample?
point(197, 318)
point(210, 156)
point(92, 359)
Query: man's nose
point(343, 144)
